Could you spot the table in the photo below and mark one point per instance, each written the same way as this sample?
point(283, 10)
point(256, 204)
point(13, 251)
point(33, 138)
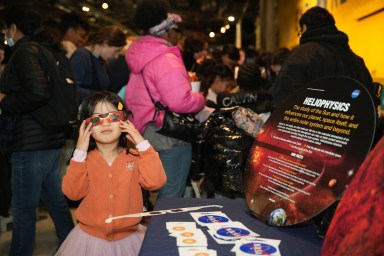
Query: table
point(295, 240)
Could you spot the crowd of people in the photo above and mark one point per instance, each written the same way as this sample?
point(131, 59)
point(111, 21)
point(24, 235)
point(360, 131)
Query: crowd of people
point(115, 154)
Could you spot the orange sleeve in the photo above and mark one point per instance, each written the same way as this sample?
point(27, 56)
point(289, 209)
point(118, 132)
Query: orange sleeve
point(151, 170)
point(75, 182)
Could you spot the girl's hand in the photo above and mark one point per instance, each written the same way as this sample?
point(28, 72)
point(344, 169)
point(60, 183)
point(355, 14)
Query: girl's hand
point(84, 136)
point(132, 133)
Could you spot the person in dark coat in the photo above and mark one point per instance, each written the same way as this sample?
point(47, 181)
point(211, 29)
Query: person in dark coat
point(323, 51)
point(34, 149)
point(222, 148)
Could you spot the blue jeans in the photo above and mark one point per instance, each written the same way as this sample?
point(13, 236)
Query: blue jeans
point(35, 175)
point(176, 162)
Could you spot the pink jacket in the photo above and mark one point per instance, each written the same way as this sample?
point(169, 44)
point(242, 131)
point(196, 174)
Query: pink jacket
point(166, 78)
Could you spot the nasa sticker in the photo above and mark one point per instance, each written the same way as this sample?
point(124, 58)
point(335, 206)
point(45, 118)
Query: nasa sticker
point(355, 94)
point(212, 219)
point(229, 233)
point(232, 233)
point(257, 248)
point(208, 218)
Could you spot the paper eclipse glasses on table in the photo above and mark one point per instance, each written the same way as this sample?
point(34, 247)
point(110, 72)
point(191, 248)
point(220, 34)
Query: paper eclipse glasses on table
point(159, 212)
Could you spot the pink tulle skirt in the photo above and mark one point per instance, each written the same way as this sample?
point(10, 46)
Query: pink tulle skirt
point(80, 243)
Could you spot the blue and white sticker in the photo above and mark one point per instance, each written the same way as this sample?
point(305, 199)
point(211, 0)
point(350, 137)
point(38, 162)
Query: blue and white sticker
point(232, 232)
point(256, 248)
point(212, 219)
point(355, 94)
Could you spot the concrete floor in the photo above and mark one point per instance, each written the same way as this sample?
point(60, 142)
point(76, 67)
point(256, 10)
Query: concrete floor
point(46, 242)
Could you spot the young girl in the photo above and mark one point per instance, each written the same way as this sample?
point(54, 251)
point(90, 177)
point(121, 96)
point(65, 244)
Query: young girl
point(108, 175)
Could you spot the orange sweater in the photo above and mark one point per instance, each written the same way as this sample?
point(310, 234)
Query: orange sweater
point(112, 191)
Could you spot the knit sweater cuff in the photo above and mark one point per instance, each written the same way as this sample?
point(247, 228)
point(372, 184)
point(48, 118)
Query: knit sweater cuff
point(143, 146)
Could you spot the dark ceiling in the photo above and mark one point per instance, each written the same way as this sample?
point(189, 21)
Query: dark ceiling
point(198, 15)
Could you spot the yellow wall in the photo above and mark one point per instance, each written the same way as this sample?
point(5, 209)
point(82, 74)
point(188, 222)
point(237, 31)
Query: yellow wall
point(366, 37)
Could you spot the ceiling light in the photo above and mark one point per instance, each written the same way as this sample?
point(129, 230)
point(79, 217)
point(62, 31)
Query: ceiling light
point(104, 6)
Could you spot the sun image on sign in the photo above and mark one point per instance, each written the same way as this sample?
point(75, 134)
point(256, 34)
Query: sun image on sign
point(309, 150)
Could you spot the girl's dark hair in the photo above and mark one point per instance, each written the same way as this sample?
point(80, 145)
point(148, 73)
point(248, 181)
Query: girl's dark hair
point(150, 13)
point(112, 35)
point(29, 22)
point(88, 107)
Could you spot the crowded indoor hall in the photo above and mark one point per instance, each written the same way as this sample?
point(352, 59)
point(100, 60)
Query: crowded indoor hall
point(191, 127)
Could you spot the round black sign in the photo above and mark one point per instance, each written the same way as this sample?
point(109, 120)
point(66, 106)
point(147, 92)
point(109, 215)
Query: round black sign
point(309, 150)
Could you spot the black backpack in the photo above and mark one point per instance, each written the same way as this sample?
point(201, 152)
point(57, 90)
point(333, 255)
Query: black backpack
point(60, 113)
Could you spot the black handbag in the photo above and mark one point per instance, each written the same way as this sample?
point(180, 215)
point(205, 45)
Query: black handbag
point(175, 125)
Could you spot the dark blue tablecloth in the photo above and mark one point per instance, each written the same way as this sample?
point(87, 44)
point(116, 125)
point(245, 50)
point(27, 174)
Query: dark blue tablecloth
point(295, 240)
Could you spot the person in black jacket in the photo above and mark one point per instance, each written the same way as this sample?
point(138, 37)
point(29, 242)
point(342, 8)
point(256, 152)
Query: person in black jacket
point(323, 51)
point(221, 148)
point(34, 149)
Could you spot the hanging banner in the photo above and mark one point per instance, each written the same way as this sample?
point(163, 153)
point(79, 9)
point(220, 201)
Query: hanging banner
point(309, 150)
